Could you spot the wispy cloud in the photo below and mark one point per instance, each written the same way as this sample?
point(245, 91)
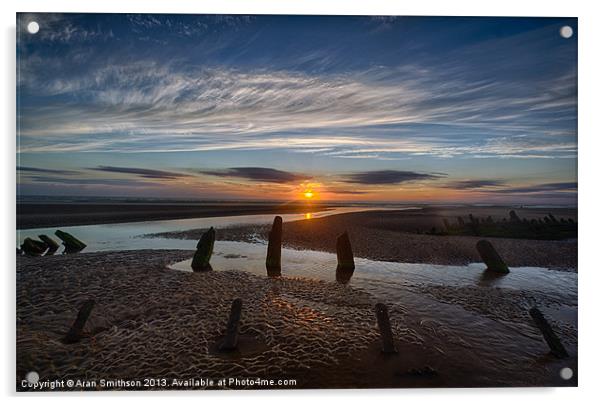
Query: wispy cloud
point(145, 173)
point(476, 184)
point(388, 177)
point(541, 188)
point(261, 174)
point(44, 170)
point(150, 106)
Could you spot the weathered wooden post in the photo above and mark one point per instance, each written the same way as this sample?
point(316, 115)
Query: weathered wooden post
point(51, 243)
point(72, 244)
point(556, 347)
point(77, 329)
point(204, 250)
point(273, 258)
point(491, 258)
point(345, 262)
point(230, 342)
point(32, 247)
point(384, 325)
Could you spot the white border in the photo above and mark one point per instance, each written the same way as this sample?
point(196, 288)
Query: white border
point(589, 33)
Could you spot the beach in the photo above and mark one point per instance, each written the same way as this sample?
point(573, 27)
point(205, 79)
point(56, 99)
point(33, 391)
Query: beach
point(152, 322)
point(393, 236)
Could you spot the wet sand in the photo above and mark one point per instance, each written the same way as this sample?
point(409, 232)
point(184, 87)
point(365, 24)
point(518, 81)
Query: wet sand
point(42, 215)
point(392, 236)
point(153, 322)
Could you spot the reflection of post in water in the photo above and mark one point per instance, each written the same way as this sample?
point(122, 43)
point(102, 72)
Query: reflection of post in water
point(273, 258)
point(345, 263)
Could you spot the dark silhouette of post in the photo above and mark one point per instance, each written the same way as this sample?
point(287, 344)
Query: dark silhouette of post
point(51, 243)
point(556, 347)
point(491, 258)
point(32, 247)
point(77, 329)
point(274, 255)
point(345, 262)
point(384, 325)
point(72, 244)
point(204, 250)
point(230, 342)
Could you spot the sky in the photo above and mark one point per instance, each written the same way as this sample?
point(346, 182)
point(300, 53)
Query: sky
point(328, 108)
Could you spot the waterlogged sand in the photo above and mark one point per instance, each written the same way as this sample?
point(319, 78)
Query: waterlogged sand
point(154, 322)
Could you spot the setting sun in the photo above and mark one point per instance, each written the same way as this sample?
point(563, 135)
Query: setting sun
point(308, 194)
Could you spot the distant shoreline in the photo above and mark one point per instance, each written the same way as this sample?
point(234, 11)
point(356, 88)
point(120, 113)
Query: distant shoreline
point(40, 215)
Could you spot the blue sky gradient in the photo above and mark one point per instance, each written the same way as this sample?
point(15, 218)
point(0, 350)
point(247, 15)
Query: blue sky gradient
point(408, 109)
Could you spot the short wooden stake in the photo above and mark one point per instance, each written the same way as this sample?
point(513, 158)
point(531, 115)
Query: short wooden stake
point(384, 325)
point(204, 250)
point(76, 332)
point(491, 258)
point(345, 262)
point(273, 257)
point(556, 347)
point(230, 342)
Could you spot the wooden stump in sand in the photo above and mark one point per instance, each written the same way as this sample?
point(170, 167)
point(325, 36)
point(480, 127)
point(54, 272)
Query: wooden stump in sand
point(72, 244)
point(204, 250)
point(491, 258)
point(77, 329)
point(556, 347)
point(51, 243)
point(32, 247)
point(345, 262)
point(230, 342)
point(274, 255)
point(384, 325)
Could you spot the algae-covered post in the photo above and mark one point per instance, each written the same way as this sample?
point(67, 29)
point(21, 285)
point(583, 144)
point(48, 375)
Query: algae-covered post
point(204, 250)
point(72, 244)
point(32, 247)
point(556, 347)
point(384, 325)
point(51, 243)
point(77, 329)
point(345, 262)
point(272, 260)
point(230, 342)
point(491, 258)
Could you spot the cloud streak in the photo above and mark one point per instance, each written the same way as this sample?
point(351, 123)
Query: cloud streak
point(44, 170)
point(382, 177)
point(259, 174)
point(145, 173)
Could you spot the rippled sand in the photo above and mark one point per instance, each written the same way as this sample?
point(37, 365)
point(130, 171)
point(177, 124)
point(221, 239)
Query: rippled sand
point(150, 321)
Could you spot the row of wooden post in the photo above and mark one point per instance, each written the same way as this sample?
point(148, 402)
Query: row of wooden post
point(344, 272)
point(273, 261)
